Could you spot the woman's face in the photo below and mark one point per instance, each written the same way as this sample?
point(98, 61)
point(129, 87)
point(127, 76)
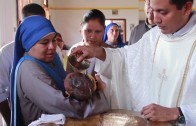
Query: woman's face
point(113, 33)
point(44, 49)
point(148, 10)
point(59, 41)
point(92, 32)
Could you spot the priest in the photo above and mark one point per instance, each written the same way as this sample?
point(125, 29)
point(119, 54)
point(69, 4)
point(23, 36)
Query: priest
point(157, 75)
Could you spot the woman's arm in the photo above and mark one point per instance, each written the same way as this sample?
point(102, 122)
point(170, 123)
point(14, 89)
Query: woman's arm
point(40, 89)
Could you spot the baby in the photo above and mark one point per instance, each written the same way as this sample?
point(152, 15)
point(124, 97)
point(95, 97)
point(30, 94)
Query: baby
point(80, 86)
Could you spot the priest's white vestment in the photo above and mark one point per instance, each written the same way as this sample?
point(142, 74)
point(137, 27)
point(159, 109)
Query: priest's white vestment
point(133, 69)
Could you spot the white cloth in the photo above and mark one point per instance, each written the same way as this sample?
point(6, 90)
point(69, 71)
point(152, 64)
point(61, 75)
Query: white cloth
point(6, 60)
point(55, 118)
point(130, 70)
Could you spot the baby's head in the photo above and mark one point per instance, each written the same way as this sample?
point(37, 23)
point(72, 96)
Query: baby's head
point(79, 86)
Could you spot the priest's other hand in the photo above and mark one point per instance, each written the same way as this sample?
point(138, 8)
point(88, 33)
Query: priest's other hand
point(154, 112)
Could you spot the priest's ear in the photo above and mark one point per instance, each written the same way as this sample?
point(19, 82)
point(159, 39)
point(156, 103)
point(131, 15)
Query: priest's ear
point(82, 31)
point(188, 8)
point(81, 26)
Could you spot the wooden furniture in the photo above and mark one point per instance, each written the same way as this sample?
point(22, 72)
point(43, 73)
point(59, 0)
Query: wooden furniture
point(115, 118)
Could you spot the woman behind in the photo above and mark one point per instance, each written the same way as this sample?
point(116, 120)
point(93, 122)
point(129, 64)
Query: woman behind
point(61, 49)
point(112, 35)
point(37, 85)
point(92, 30)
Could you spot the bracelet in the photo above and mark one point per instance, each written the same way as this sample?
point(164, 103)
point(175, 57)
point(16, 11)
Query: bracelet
point(181, 118)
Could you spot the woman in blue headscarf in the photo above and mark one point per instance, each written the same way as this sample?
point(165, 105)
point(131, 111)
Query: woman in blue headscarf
point(112, 35)
point(37, 77)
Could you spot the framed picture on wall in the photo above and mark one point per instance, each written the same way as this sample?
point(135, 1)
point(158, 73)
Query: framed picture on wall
point(122, 25)
point(46, 8)
point(20, 4)
point(46, 3)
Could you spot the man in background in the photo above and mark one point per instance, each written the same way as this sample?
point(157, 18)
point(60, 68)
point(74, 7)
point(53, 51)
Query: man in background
point(144, 26)
point(6, 61)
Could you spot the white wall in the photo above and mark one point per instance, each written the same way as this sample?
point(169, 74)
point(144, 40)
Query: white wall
point(66, 16)
point(8, 21)
point(93, 3)
point(142, 15)
point(40, 2)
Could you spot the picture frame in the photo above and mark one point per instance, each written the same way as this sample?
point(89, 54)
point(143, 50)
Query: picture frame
point(20, 4)
point(46, 3)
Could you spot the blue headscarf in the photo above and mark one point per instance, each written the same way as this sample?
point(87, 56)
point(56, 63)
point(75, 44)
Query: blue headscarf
point(31, 30)
point(119, 39)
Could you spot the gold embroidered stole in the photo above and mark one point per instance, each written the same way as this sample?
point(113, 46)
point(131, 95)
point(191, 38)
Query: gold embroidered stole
point(170, 67)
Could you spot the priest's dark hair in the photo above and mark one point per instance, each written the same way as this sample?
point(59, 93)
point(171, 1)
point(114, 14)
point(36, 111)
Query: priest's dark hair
point(180, 3)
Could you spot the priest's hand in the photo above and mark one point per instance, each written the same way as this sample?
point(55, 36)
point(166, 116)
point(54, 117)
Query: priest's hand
point(154, 112)
point(86, 52)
